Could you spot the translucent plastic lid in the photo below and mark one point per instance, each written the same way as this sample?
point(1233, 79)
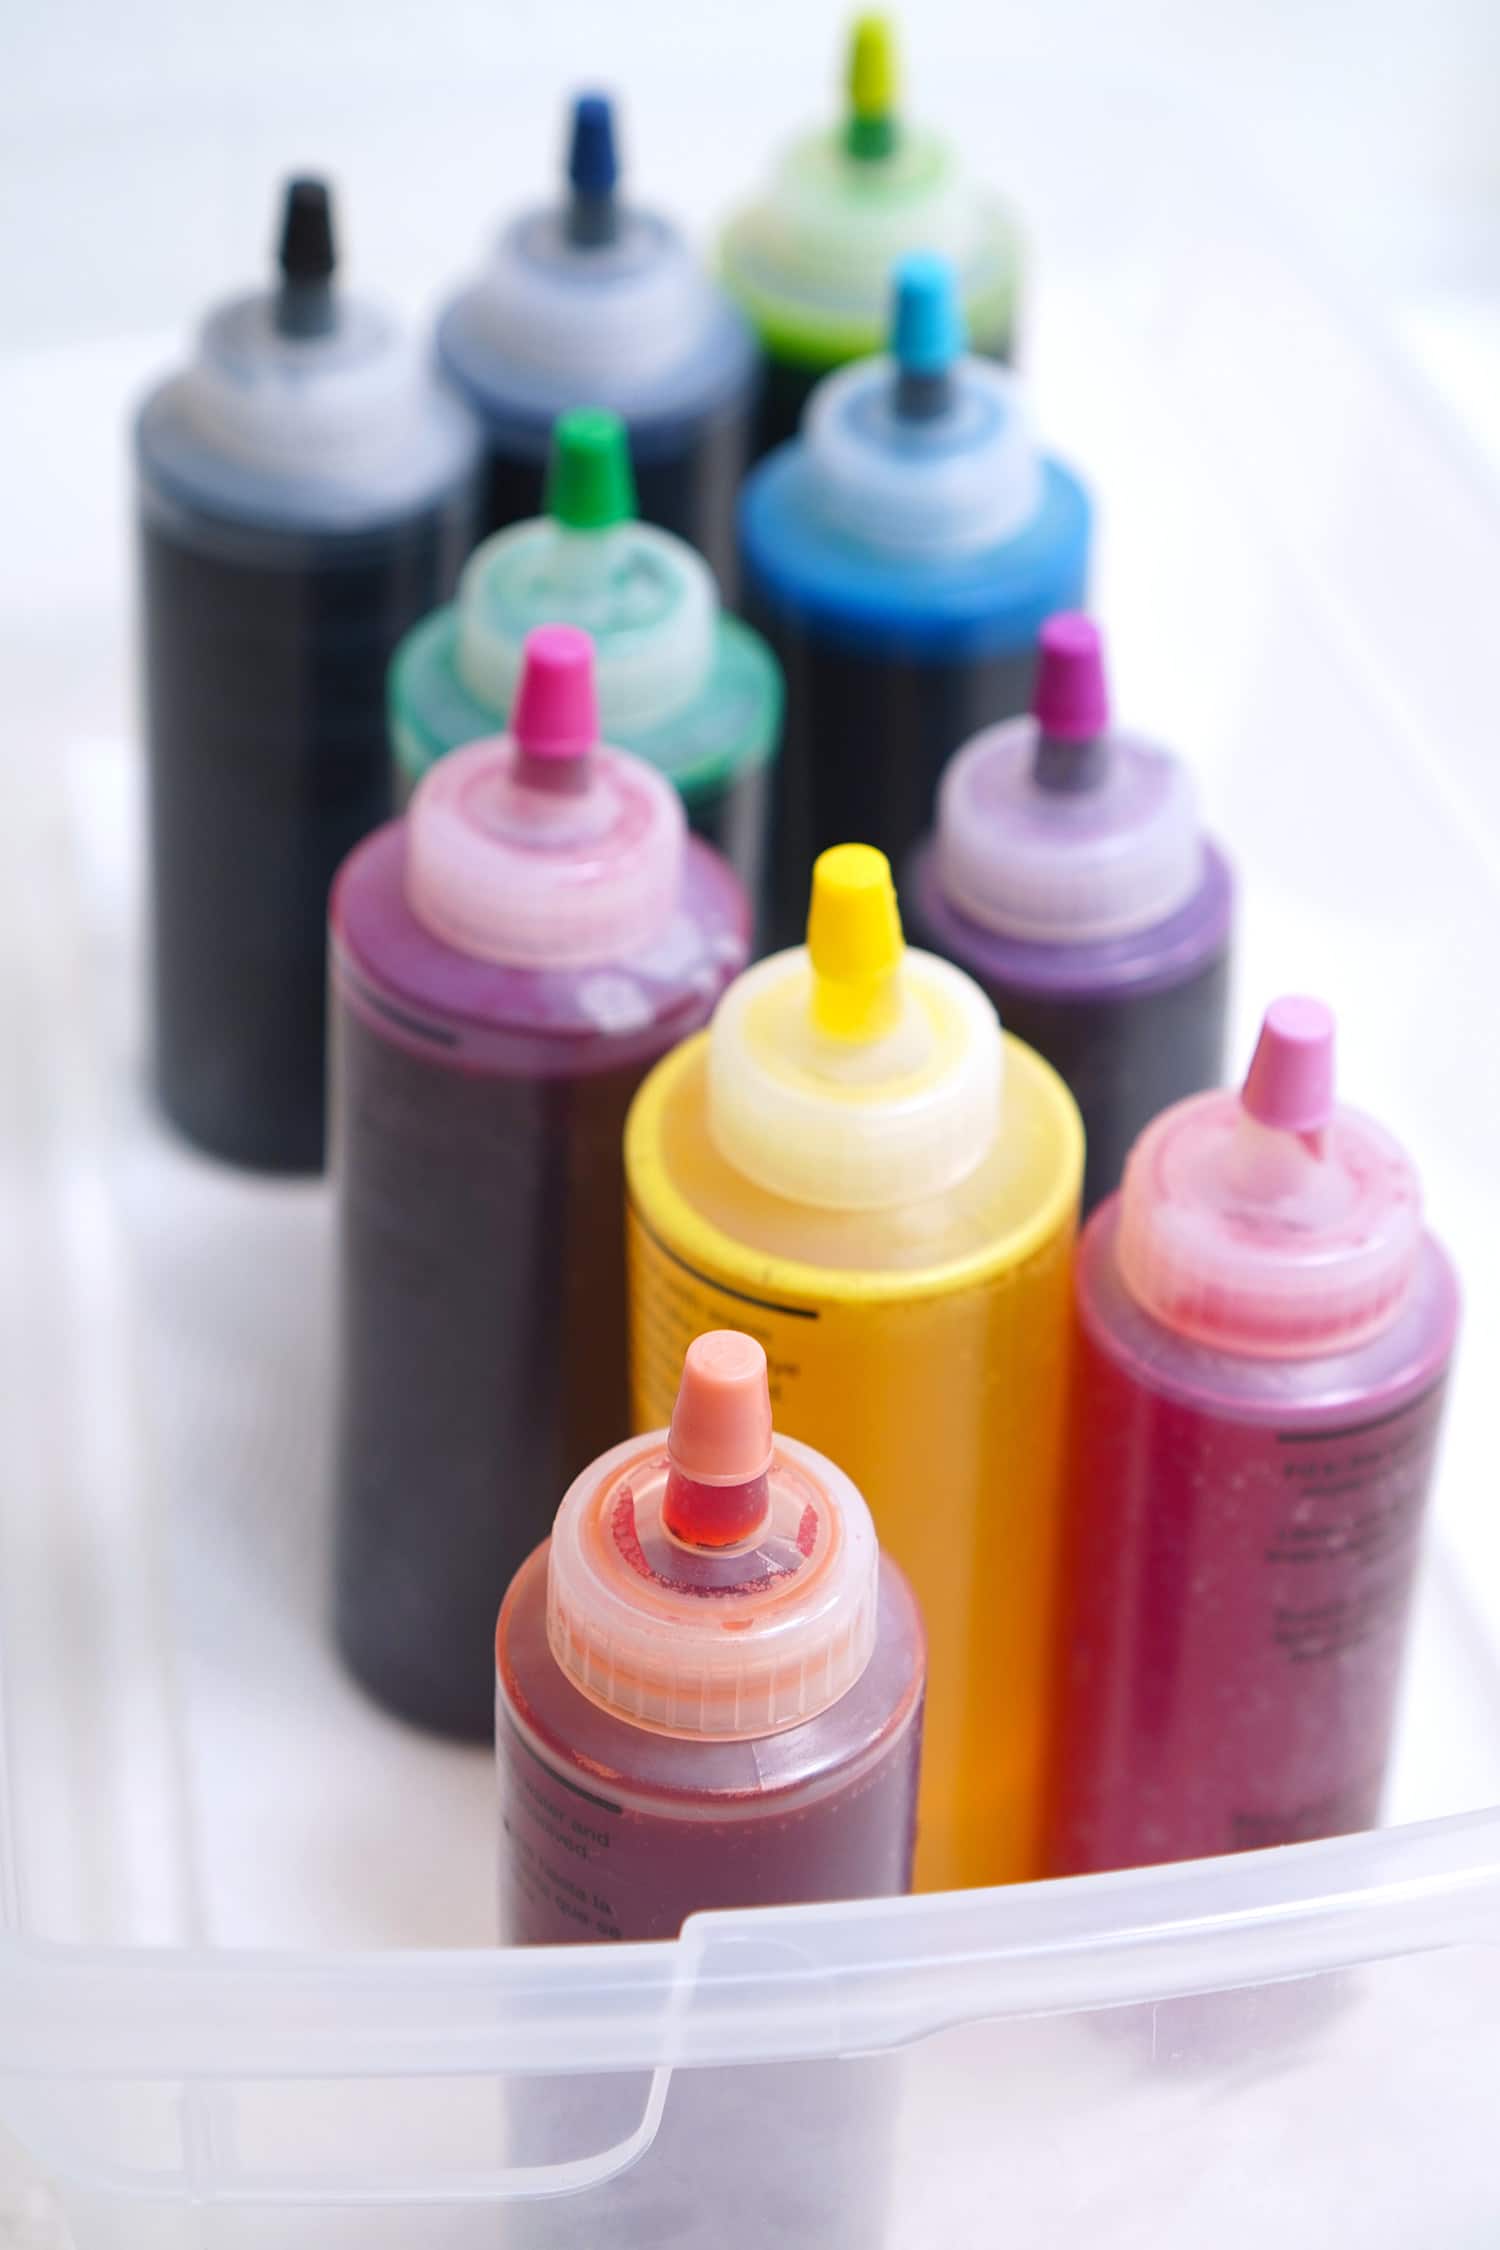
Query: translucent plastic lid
point(543, 848)
point(926, 453)
point(646, 599)
point(303, 407)
point(1270, 1223)
point(594, 302)
point(850, 1073)
point(714, 1580)
point(811, 259)
point(1058, 829)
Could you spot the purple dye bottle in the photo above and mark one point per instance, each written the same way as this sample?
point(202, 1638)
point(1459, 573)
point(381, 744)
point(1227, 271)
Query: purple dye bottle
point(1266, 1331)
point(508, 961)
point(1069, 876)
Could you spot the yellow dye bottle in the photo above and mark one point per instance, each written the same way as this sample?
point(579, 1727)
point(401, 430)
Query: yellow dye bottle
point(857, 1166)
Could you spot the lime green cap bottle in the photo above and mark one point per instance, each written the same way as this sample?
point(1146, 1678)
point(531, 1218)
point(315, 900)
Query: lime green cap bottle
point(810, 260)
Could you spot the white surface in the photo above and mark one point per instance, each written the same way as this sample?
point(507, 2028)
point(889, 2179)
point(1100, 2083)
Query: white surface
point(1298, 575)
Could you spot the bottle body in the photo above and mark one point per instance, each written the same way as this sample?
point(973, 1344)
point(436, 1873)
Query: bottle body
point(826, 1810)
point(1133, 1024)
point(265, 653)
point(476, 1122)
point(1242, 1543)
point(926, 1350)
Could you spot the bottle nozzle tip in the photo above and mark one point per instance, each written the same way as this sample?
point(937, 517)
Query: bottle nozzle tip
point(721, 1429)
point(307, 250)
point(1289, 1084)
point(873, 68)
point(1070, 701)
point(590, 484)
point(556, 711)
point(927, 326)
point(854, 939)
point(593, 161)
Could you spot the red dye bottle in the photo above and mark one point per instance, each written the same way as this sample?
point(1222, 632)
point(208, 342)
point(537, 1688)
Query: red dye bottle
point(709, 1681)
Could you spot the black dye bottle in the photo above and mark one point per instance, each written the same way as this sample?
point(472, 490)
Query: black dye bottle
point(305, 494)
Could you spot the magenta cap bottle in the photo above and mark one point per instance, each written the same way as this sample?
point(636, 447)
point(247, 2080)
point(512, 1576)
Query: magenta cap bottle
point(1069, 874)
point(508, 961)
point(708, 1680)
point(1266, 1332)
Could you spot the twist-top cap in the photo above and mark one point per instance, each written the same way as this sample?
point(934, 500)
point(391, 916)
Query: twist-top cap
point(850, 1073)
point(646, 599)
point(1271, 1223)
point(304, 407)
point(543, 848)
point(1058, 830)
point(713, 1580)
point(926, 452)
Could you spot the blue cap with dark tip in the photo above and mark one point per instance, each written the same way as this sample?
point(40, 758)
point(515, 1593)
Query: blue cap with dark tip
point(593, 167)
point(927, 322)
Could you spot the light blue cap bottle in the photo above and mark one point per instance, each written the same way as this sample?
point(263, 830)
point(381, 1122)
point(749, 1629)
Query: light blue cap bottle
point(916, 501)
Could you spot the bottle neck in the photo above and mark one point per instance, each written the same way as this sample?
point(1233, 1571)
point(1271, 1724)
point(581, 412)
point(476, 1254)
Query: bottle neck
point(1067, 768)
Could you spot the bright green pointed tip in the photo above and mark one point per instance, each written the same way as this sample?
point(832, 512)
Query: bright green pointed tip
point(873, 88)
point(590, 484)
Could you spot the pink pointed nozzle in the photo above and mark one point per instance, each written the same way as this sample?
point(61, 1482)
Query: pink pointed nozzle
point(1290, 1080)
point(1070, 702)
point(721, 1425)
point(556, 712)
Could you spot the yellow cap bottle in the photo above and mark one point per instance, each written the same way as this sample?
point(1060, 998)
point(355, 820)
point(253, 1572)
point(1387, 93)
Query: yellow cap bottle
point(857, 1166)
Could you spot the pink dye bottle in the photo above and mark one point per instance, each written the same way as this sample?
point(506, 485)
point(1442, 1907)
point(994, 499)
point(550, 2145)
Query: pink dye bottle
point(709, 1681)
point(508, 962)
point(1266, 1331)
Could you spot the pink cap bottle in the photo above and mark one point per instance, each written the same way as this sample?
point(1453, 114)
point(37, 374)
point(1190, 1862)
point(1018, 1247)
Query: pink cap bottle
point(712, 1630)
point(508, 961)
point(1266, 1334)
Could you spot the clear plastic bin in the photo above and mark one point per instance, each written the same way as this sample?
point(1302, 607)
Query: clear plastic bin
point(246, 1996)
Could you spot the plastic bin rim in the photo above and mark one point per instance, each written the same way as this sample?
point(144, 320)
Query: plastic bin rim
point(782, 1984)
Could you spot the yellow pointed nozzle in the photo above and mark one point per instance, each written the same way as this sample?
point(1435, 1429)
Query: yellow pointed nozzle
point(872, 67)
point(854, 943)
